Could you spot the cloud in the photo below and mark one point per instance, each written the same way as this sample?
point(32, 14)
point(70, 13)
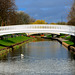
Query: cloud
point(49, 10)
point(42, 3)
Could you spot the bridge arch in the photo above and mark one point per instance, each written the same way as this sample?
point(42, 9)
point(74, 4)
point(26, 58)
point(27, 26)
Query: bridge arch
point(41, 33)
point(37, 28)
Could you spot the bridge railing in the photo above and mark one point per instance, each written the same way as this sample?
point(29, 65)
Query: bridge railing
point(38, 28)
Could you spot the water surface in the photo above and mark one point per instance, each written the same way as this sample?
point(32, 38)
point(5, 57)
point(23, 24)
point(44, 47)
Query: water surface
point(41, 57)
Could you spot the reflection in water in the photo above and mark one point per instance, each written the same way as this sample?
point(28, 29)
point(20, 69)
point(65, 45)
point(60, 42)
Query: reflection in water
point(43, 57)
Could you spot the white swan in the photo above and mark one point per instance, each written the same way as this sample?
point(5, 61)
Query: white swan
point(22, 56)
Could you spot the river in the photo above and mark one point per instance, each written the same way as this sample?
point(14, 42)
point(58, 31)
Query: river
point(41, 57)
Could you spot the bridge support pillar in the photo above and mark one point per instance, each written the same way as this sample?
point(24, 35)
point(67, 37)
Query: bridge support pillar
point(53, 35)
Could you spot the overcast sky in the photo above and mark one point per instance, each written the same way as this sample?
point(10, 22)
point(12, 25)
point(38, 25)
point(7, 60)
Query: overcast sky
point(48, 10)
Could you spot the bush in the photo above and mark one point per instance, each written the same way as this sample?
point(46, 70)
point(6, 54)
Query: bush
point(39, 22)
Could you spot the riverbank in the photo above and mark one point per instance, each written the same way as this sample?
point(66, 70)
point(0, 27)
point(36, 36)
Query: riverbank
point(68, 45)
point(12, 43)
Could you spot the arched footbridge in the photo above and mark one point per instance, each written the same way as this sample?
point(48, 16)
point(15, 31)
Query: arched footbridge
point(37, 28)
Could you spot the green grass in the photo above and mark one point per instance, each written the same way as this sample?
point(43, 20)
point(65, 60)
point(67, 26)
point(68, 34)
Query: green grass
point(62, 36)
point(49, 35)
point(69, 42)
point(68, 38)
point(11, 41)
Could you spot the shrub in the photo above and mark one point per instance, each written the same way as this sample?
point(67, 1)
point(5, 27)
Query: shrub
point(39, 22)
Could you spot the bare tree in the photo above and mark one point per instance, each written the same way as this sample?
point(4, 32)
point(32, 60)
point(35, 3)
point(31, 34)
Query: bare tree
point(23, 18)
point(71, 15)
point(7, 9)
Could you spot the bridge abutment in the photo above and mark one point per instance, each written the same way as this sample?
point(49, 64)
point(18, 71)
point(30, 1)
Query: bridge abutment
point(54, 35)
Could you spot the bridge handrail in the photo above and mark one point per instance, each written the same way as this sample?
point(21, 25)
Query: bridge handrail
point(60, 28)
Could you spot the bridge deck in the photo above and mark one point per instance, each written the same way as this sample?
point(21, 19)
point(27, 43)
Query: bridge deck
point(38, 28)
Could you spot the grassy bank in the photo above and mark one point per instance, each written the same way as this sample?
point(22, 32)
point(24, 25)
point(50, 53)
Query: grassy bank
point(68, 38)
point(12, 41)
point(69, 42)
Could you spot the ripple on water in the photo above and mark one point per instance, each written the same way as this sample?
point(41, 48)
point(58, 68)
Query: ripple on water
point(38, 67)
